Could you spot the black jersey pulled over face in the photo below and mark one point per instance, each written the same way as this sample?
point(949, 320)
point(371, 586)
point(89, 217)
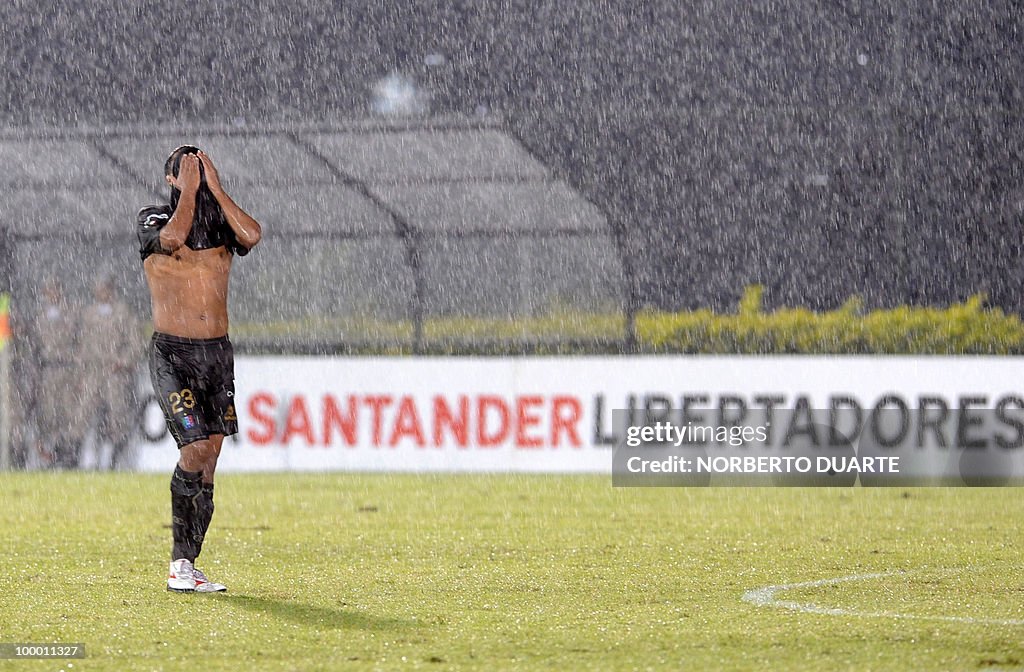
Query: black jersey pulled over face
point(209, 220)
point(210, 227)
point(153, 218)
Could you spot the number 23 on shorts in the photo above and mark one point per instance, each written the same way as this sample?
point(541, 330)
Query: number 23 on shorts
point(181, 400)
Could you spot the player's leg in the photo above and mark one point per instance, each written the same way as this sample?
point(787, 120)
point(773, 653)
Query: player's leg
point(194, 457)
point(187, 526)
point(204, 514)
point(186, 499)
point(172, 372)
point(216, 440)
point(204, 503)
point(186, 490)
point(218, 410)
point(191, 513)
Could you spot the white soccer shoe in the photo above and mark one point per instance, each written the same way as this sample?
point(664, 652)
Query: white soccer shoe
point(203, 585)
point(182, 577)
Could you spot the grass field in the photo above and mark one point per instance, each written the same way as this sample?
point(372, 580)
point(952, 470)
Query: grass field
point(345, 571)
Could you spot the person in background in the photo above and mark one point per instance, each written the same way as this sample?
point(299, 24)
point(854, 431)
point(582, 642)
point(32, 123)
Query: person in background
point(109, 351)
point(58, 383)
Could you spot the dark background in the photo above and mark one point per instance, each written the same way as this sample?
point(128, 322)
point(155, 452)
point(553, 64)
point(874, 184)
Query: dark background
point(820, 148)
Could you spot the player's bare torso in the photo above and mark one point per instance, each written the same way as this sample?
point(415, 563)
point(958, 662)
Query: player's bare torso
point(189, 291)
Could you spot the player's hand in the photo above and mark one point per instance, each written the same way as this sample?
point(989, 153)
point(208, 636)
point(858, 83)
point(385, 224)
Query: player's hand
point(212, 177)
point(188, 174)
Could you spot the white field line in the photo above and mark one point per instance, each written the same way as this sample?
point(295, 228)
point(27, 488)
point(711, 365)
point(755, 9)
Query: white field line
point(766, 597)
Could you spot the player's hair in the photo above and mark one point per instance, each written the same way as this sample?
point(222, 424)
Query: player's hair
point(173, 163)
point(208, 210)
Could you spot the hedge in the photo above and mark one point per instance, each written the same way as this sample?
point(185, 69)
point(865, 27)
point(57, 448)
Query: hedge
point(967, 328)
point(960, 329)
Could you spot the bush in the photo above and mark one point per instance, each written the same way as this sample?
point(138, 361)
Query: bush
point(965, 328)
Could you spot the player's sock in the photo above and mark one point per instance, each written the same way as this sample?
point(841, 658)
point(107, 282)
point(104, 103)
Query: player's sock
point(186, 487)
point(204, 514)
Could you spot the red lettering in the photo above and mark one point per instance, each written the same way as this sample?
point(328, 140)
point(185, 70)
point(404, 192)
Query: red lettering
point(377, 404)
point(407, 424)
point(566, 413)
point(297, 422)
point(456, 424)
point(483, 404)
point(527, 420)
point(258, 403)
point(334, 420)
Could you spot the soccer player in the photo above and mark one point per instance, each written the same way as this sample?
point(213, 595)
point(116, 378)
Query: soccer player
point(187, 248)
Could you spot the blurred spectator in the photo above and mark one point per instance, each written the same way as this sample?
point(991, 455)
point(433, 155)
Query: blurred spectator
point(58, 401)
point(19, 396)
point(109, 351)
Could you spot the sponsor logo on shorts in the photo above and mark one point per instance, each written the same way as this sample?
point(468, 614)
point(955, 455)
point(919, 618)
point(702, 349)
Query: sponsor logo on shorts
point(230, 413)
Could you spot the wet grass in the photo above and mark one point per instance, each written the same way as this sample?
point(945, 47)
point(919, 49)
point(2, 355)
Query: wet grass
point(509, 572)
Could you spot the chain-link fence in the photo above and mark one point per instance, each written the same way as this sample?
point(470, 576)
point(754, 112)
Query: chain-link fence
point(379, 237)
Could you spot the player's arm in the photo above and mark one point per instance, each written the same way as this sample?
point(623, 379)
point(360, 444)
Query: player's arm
point(247, 230)
point(175, 233)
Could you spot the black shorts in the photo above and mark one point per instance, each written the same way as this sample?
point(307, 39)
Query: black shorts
point(194, 380)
